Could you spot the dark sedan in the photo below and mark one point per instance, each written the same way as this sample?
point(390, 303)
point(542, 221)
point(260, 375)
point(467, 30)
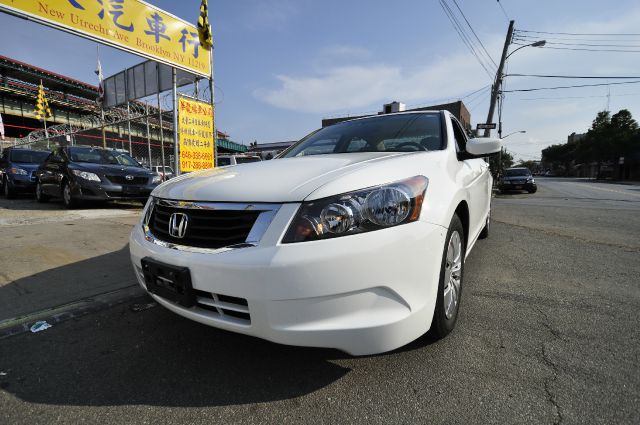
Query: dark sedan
point(92, 174)
point(17, 170)
point(518, 179)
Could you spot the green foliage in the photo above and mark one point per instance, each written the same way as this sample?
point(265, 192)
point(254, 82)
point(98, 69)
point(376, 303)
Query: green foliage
point(610, 137)
point(494, 162)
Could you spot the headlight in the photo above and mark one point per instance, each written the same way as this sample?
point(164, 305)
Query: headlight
point(146, 213)
point(18, 171)
point(530, 180)
point(86, 175)
point(156, 180)
point(358, 212)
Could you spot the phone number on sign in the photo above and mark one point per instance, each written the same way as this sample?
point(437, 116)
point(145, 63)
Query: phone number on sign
point(207, 156)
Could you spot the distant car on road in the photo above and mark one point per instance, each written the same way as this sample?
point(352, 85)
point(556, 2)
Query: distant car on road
point(17, 170)
point(78, 173)
point(165, 172)
point(224, 160)
point(518, 179)
point(355, 238)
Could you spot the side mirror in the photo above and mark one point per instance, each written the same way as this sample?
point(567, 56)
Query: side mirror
point(483, 146)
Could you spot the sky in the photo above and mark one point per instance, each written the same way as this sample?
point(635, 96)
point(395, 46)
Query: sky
point(283, 65)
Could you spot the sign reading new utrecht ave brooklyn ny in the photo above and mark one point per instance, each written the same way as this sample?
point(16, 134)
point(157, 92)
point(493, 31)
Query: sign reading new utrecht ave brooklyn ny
point(196, 135)
point(130, 25)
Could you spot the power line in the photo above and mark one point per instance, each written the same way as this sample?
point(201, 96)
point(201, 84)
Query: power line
point(474, 33)
point(574, 97)
point(586, 44)
point(503, 11)
point(570, 87)
point(518, 35)
point(586, 50)
point(576, 33)
point(458, 28)
point(570, 76)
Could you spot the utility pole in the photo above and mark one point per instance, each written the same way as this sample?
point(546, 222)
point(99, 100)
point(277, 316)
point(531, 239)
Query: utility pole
point(497, 84)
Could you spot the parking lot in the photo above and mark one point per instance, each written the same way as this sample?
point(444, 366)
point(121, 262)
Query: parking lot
point(547, 334)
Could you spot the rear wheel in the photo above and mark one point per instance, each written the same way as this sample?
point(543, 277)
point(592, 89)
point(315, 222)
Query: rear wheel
point(40, 196)
point(67, 197)
point(450, 285)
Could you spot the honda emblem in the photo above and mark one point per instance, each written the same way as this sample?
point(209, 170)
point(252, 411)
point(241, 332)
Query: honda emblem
point(178, 225)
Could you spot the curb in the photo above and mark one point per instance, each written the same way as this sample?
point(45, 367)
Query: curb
point(54, 315)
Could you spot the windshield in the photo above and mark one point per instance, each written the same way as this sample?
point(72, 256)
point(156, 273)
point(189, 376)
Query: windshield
point(518, 172)
point(387, 133)
point(245, 159)
point(101, 156)
point(28, 157)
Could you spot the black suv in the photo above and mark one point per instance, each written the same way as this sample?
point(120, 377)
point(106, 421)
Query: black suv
point(518, 179)
point(17, 170)
point(84, 173)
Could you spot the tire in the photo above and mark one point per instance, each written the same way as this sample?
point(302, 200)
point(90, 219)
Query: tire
point(532, 190)
point(67, 197)
point(40, 197)
point(446, 314)
point(484, 234)
point(7, 191)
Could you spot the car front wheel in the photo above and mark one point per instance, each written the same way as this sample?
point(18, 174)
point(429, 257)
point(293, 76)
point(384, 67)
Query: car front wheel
point(450, 285)
point(8, 192)
point(40, 196)
point(67, 197)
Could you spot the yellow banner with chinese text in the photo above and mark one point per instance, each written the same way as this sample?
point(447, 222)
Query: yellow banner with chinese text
point(196, 135)
point(130, 25)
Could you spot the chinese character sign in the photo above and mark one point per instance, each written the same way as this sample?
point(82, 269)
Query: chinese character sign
point(131, 25)
point(196, 135)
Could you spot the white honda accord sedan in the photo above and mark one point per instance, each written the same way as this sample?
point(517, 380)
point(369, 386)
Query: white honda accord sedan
point(355, 238)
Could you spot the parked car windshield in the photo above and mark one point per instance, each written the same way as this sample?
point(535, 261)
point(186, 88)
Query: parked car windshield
point(387, 133)
point(101, 156)
point(245, 159)
point(28, 157)
point(518, 172)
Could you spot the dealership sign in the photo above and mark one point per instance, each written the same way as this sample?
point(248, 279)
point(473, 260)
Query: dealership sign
point(196, 135)
point(130, 25)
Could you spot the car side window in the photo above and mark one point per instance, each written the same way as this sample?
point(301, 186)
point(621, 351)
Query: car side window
point(459, 135)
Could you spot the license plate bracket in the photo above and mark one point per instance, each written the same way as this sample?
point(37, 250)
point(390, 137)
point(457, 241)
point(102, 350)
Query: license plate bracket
point(130, 190)
point(170, 282)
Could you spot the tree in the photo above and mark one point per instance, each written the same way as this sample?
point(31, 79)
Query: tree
point(494, 162)
point(559, 157)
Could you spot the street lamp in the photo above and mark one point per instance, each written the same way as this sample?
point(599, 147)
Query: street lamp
point(520, 131)
point(539, 43)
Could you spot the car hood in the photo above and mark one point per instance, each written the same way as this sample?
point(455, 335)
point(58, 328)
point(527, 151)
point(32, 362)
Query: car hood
point(280, 180)
point(113, 170)
point(28, 166)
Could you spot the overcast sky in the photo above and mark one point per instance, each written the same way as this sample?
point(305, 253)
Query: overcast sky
point(283, 65)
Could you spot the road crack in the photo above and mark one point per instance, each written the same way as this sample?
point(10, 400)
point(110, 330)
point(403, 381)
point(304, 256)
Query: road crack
point(552, 397)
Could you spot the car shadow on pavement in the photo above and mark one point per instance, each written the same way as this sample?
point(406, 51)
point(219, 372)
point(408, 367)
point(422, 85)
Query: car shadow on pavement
point(118, 357)
point(121, 355)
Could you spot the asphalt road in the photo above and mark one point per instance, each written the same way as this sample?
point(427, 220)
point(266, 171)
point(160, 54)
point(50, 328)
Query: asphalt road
point(548, 333)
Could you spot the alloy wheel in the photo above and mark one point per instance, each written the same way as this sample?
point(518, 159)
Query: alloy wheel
point(452, 275)
point(66, 193)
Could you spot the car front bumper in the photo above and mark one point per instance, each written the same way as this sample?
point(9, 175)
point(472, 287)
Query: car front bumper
point(102, 191)
point(22, 183)
point(517, 186)
point(362, 294)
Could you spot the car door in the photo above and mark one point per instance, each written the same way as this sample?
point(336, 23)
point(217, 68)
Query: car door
point(476, 180)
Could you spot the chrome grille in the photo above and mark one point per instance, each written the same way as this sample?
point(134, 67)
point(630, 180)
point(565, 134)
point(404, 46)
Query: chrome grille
point(206, 228)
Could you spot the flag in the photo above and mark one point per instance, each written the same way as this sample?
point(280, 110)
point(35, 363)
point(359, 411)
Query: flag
point(98, 72)
point(1, 128)
point(42, 110)
point(204, 28)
